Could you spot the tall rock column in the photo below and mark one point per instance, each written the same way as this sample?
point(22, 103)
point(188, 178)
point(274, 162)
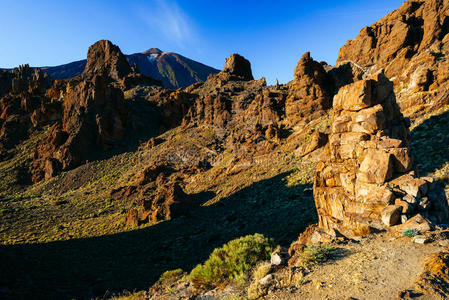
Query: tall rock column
point(366, 181)
point(310, 93)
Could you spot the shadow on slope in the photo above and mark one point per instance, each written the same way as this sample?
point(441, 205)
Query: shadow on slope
point(430, 143)
point(134, 260)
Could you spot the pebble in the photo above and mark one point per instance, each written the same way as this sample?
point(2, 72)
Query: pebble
point(319, 285)
point(266, 280)
point(420, 239)
point(444, 243)
point(276, 259)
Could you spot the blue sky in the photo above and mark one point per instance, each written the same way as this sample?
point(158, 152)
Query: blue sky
point(271, 34)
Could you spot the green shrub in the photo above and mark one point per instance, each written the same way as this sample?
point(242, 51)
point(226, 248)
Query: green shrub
point(314, 255)
point(410, 232)
point(232, 262)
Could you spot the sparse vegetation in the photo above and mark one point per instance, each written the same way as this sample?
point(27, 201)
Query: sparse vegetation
point(313, 255)
point(235, 297)
point(263, 196)
point(410, 232)
point(232, 262)
point(429, 143)
point(261, 270)
point(255, 290)
point(171, 276)
point(129, 296)
point(300, 281)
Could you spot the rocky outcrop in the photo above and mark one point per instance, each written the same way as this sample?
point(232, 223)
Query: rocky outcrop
point(245, 114)
point(170, 201)
point(25, 79)
point(415, 26)
point(23, 93)
point(5, 82)
point(96, 116)
point(157, 196)
point(105, 58)
point(251, 118)
point(237, 68)
point(412, 45)
point(310, 92)
point(367, 180)
point(50, 111)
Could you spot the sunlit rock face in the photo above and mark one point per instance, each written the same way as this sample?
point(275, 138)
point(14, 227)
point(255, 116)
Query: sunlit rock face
point(412, 45)
point(237, 68)
point(96, 116)
point(310, 92)
point(366, 180)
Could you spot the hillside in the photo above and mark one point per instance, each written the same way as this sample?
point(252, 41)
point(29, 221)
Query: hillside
point(109, 179)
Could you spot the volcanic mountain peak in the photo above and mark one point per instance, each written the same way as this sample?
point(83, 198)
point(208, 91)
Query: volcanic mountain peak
point(153, 51)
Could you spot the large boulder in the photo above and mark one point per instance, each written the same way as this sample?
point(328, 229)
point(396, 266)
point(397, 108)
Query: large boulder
point(170, 201)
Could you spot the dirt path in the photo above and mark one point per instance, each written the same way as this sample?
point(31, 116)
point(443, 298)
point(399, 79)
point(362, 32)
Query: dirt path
point(376, 268)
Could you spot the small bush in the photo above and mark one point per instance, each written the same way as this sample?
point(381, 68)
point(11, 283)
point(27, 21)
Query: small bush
point(171, 276)
point(234, 297)
point(128, 296)
point(232, 262)
point(255, 290)
point(261, 270)
point(314, 255)
point(410, 232)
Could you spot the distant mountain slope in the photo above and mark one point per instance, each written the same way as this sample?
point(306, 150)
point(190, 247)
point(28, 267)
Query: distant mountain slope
point(174, 70)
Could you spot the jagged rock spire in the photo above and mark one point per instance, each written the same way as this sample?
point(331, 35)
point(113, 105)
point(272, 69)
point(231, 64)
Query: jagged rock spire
point(105, 58)
point(238, 67)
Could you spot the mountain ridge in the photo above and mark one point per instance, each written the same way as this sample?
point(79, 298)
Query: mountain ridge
point(172, 69)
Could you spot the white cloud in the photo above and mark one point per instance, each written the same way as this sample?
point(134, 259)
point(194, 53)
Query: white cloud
point(167, 18)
